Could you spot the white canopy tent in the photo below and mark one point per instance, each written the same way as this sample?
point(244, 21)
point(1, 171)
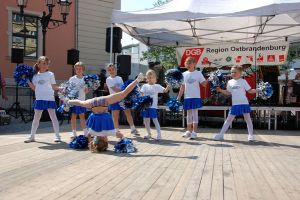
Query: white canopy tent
point(202, 22)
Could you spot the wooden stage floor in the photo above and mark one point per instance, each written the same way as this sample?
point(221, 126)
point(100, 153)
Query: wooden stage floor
point(175, 168)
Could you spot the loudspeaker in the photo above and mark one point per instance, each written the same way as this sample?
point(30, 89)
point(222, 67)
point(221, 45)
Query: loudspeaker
point(124, 64)
point(73, 56)
point(17, 55)
point(117, 36)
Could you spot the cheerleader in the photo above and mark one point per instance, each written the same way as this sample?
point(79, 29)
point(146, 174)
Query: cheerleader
point(114, 84)
point(237, 87)
point(100, 123)
point(43, 84)
point(78, 79)
point(152, 89)
point(192, 100)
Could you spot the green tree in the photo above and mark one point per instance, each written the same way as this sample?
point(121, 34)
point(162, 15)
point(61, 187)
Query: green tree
point(165, 55)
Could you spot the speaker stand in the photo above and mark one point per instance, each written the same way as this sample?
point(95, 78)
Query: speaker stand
point(16, 107)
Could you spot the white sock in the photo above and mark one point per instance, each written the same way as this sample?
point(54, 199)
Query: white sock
point(85, 131)
point(132, 128)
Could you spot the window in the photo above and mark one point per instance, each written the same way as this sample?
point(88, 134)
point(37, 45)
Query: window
point(25, 34)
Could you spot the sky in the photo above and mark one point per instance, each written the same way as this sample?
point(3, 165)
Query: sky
point(132, 5)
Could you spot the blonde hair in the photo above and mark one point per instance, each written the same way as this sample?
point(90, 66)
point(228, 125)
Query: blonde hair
point(41, 59)
point(79, 64)
point(151, 72)
point(99, 145)
point(110, 65)
point(190, 59)
point(237, 67)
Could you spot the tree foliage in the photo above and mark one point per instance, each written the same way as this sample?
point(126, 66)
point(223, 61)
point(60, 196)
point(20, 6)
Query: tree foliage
point(165, 55)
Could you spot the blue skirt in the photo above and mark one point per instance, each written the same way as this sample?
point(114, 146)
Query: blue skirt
point(44, 105)
point(192, 103)
point(115, 106)
point(101, 124)
point(77, 110)
point(239, 109)
point(149, 113)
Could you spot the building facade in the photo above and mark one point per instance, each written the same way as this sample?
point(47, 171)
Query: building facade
point(85, 30)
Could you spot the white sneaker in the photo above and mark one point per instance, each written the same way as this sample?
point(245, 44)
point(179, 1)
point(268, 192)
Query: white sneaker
point(251, 138)
point(193, 135)
point(187, 134)
point(219, 137)
point(57, 139)
point(135, 132)
point(147, 137)
point(158, 138)
point(30, 139)
point(73, 135)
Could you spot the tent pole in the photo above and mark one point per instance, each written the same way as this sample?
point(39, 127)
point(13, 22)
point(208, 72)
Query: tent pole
point(111, 42)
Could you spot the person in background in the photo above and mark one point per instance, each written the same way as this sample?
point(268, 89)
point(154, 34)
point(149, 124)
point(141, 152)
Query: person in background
point(102, 89)
point(3, 87)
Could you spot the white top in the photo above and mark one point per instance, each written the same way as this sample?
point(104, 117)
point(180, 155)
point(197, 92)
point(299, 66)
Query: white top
point(43, 86)
point(191, 84)
point(152, 91)
point(81, 85)
point(238, 89)
point(114, 82)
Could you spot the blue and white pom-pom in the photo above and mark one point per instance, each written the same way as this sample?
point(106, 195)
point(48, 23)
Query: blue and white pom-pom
point(79, 142)
point(91, 81)
point(22, 74)
point(67, 90)
point(265, 90)
point(174, 78)
point(142, 103)
point(129, 100)
point(216, 79)
point(125, 145)
point(174, 105)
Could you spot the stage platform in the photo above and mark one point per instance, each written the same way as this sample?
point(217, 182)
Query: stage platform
point(174, 168)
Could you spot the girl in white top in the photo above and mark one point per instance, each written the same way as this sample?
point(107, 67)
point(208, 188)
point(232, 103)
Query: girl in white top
point(192, 99)
point(237, 87)
point(43, 83)
point(78, 110)
point(114, 84)
point(152, 89)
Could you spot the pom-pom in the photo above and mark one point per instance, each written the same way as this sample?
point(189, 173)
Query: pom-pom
point(129, 101)
point(174, 78)
point(125, 145)
point(216, 79)
point(22, 74)
point(67, 90)
point(265, 90)
point(92, 81)
point(174, 104)
point(143, 102)
point(79, 142)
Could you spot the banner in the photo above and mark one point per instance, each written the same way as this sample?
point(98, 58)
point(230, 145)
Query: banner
point(271, 53)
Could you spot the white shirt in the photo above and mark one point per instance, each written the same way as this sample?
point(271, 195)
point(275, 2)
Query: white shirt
point(152, 91)
point(43, 86)
point(114, 82)
point(191, 83)
point(238, 89)
point(81, 86)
